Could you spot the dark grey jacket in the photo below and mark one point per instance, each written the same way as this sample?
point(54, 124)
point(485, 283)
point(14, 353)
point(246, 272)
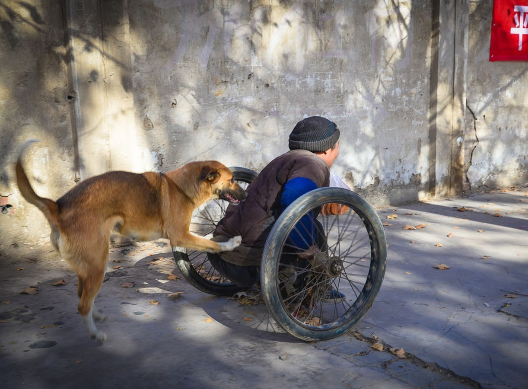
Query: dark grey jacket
point(253, 218)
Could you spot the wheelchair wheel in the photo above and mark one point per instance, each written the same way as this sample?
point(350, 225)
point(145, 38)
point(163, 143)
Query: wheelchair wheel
point(322, 293)
point(194, 265)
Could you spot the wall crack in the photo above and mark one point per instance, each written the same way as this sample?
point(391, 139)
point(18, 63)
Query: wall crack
point(477, 141)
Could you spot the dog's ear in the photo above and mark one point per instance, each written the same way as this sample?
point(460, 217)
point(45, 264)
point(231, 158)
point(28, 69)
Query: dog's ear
point(210, 174)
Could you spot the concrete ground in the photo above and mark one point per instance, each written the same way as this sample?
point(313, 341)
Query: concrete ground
point(462, 327)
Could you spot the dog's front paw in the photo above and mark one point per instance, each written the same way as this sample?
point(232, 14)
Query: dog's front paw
point(231, 244)
point(99, 335)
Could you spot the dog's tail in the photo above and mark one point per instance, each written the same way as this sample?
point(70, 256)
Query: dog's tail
point(49, 208)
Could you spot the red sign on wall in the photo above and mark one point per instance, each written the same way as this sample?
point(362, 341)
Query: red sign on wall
point(509, 31)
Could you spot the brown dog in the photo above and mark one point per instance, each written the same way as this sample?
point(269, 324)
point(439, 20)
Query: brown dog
point(144, 206)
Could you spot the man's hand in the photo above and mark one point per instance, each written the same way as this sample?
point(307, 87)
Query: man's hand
point(334, 209)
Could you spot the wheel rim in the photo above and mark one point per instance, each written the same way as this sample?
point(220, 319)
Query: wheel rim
point(349, 265)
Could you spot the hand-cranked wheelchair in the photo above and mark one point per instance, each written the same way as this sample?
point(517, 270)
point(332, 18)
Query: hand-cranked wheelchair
point(351, 261)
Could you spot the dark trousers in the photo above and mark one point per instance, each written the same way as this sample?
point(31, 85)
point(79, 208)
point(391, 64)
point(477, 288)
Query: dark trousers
point(246, 276)
point(243, 276)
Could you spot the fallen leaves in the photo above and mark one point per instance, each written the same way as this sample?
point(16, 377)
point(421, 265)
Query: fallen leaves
point(418, 227)
point(377, 346)
point(392, 217)
point(438, 245)
point(30, 290)
point(400, 353)
point(127, 285)
point(59, 283)
point(174, 296)
point(314, 321)
point(442, 266)
point(154, 302)
point(208, 320)
point(450, 235)
point(173, 277)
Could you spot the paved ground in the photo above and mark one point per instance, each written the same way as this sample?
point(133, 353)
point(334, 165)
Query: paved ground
point(463, 327)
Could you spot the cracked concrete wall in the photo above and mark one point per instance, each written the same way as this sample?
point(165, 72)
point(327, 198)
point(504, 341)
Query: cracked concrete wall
point(151, 84)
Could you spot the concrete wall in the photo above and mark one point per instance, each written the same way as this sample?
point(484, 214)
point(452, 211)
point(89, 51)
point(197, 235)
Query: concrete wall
point(150, 85)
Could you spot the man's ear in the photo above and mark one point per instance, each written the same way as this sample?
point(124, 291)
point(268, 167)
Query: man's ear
point(209, 174)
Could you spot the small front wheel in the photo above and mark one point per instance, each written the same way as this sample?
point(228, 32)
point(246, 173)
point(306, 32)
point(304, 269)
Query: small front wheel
point(194, 265)
point(323, 264)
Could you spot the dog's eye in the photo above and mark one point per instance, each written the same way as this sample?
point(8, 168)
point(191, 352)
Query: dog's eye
point(232, 180)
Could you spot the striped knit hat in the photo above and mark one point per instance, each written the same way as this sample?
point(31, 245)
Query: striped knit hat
point(315, 134)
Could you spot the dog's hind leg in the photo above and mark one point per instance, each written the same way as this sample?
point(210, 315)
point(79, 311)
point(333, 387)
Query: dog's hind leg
point(91, 284)
point(96, 315)
point(87, 310)
point(79, 286)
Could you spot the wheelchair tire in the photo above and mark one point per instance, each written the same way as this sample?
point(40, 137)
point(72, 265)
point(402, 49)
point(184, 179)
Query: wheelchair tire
point(322, 296)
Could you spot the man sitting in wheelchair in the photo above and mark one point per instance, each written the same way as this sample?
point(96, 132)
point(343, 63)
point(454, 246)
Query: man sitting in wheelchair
point(314, 145)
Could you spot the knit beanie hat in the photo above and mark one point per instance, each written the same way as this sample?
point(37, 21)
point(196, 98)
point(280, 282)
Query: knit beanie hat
point(315, 134)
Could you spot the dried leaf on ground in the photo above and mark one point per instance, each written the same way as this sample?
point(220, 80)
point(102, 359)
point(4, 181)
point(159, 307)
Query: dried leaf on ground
point(154, 302)
point(127, 285)
point(480, 230)
point(208, 320)
point(511, 296)
point(173, 277)
point(442, 266)
point(174, 296)
point(408, 227)
point(59, 283)
point(450, 235)
point(399, 353)
point(377, 346)
point(497, 215)
point(6, 302)
point(420, 226)
point(486, 257)
point(314, 321)
point(117, 267)
point(463, 209)
point(438, 245)
point(387, 224)
point(393, 216)
point(20, 268)
point(248, 319)
point(30, 290)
